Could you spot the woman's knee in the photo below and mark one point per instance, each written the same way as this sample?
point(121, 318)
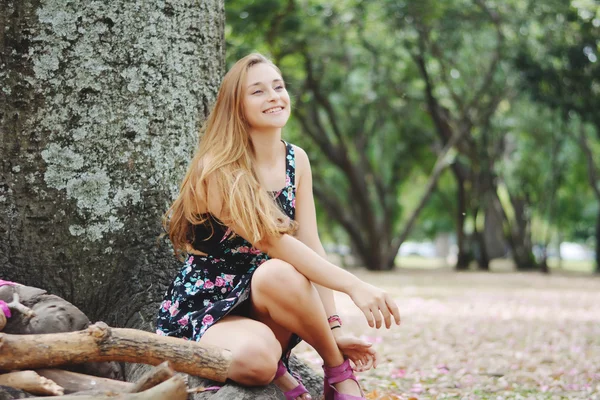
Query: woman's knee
point(255, 362)
point(254, 347)
point(278, 277)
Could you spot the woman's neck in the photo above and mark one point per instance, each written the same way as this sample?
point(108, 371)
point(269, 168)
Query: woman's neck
point(267, 147)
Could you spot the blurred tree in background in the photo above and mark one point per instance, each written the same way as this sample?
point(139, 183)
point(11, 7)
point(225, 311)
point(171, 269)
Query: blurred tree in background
point(421, 118)
point(559, 62)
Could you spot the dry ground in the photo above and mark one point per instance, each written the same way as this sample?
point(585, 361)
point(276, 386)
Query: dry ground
point(478, 335)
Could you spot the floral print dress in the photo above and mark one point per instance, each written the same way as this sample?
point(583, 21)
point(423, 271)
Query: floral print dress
point(207, 288)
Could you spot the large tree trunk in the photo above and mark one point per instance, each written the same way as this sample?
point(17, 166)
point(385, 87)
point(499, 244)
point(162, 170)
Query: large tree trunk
point(99, 112)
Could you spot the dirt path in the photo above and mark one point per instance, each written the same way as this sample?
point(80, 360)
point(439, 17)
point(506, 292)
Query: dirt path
point(482, 336)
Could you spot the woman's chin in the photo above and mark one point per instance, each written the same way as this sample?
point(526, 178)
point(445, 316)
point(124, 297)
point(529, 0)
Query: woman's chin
point(276, 123)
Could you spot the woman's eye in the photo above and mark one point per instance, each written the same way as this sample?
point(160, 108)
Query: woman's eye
point(279, 87)
point(257, 92)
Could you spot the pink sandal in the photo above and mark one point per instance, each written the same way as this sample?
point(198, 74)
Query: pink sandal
point(339, 374)
point(295, 392)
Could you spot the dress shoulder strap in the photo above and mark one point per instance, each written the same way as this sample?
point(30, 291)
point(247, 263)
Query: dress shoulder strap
point(290, 162)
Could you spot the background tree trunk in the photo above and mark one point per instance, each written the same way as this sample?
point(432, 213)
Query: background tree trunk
point(598, 243)
point(99, 112)
point(463, 256)
point(520, 232)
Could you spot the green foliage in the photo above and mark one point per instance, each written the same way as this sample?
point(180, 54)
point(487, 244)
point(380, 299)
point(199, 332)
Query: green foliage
point(508, 72)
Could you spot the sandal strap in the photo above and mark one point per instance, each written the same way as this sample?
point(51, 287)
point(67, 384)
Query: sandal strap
point(340, 373)
point(295, 392)
point(338, 369)
point(341, 377)
point(281, 370)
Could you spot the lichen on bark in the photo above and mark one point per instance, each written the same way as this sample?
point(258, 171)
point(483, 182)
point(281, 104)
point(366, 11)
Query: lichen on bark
point(127, 88)
point(100, 105)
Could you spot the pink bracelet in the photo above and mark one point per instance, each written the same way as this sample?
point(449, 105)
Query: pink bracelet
point(335, 318)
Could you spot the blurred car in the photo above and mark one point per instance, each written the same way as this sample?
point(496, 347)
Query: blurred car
point(421, 249)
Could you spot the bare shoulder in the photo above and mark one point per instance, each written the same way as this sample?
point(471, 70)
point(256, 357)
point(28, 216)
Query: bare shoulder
point(302, 161)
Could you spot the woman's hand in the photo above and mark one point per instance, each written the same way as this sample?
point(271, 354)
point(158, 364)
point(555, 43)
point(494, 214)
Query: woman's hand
point(359, 351)
point(376, 304)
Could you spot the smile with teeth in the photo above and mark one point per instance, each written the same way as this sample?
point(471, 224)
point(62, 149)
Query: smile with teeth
point(273, 110)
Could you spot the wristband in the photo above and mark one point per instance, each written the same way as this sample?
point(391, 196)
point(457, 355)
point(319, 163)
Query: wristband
point(335, 327)
point(335, 318)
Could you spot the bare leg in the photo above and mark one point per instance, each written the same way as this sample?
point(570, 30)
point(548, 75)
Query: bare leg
point(253, 345)
point(281, 296)
point(256, 351)
point(287, 382)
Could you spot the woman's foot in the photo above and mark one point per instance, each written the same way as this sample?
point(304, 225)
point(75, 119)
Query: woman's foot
point(289, 385)
point(341, 384)
point(348, 386)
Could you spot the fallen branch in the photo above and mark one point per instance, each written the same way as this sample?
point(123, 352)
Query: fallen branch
point(153, 377)
point(74, 382)
point(173, 389)
point(31, 382)
point(99, 342)
point(16, 305)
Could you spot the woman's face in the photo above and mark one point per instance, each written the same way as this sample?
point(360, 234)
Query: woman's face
point(266, 101)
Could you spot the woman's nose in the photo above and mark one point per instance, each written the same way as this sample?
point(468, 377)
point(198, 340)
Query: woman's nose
point(273, 94)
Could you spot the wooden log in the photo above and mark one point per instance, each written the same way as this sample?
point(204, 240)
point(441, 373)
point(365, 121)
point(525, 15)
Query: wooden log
point(74, 382)
point(31, 382)
point(99, 342)
point(172, 389)
point(2, 320)
point(153, 377)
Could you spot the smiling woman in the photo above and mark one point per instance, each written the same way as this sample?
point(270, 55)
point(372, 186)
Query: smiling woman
point(255, 278)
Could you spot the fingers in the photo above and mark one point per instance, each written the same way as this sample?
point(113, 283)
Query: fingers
point(377, 316)
point(368, 315)
point(367, 363)
point(361, 364)
point(386, 308)
point(393, 307)
point(373, 315)
point(362, 359)
point(379, 309)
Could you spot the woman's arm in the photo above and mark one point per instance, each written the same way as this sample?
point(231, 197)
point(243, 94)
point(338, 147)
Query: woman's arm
point(306, 217)
point(375, 304)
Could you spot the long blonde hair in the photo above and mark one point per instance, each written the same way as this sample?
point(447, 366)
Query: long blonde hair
point(226, 155)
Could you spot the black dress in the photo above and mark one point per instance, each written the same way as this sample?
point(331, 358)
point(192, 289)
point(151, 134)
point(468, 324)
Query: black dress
point(210, 287)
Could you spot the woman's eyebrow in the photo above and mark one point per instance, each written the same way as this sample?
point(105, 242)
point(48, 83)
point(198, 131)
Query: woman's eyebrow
point(260, 83)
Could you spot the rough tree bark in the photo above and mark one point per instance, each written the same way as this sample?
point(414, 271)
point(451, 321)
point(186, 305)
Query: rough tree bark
point(99, 111)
